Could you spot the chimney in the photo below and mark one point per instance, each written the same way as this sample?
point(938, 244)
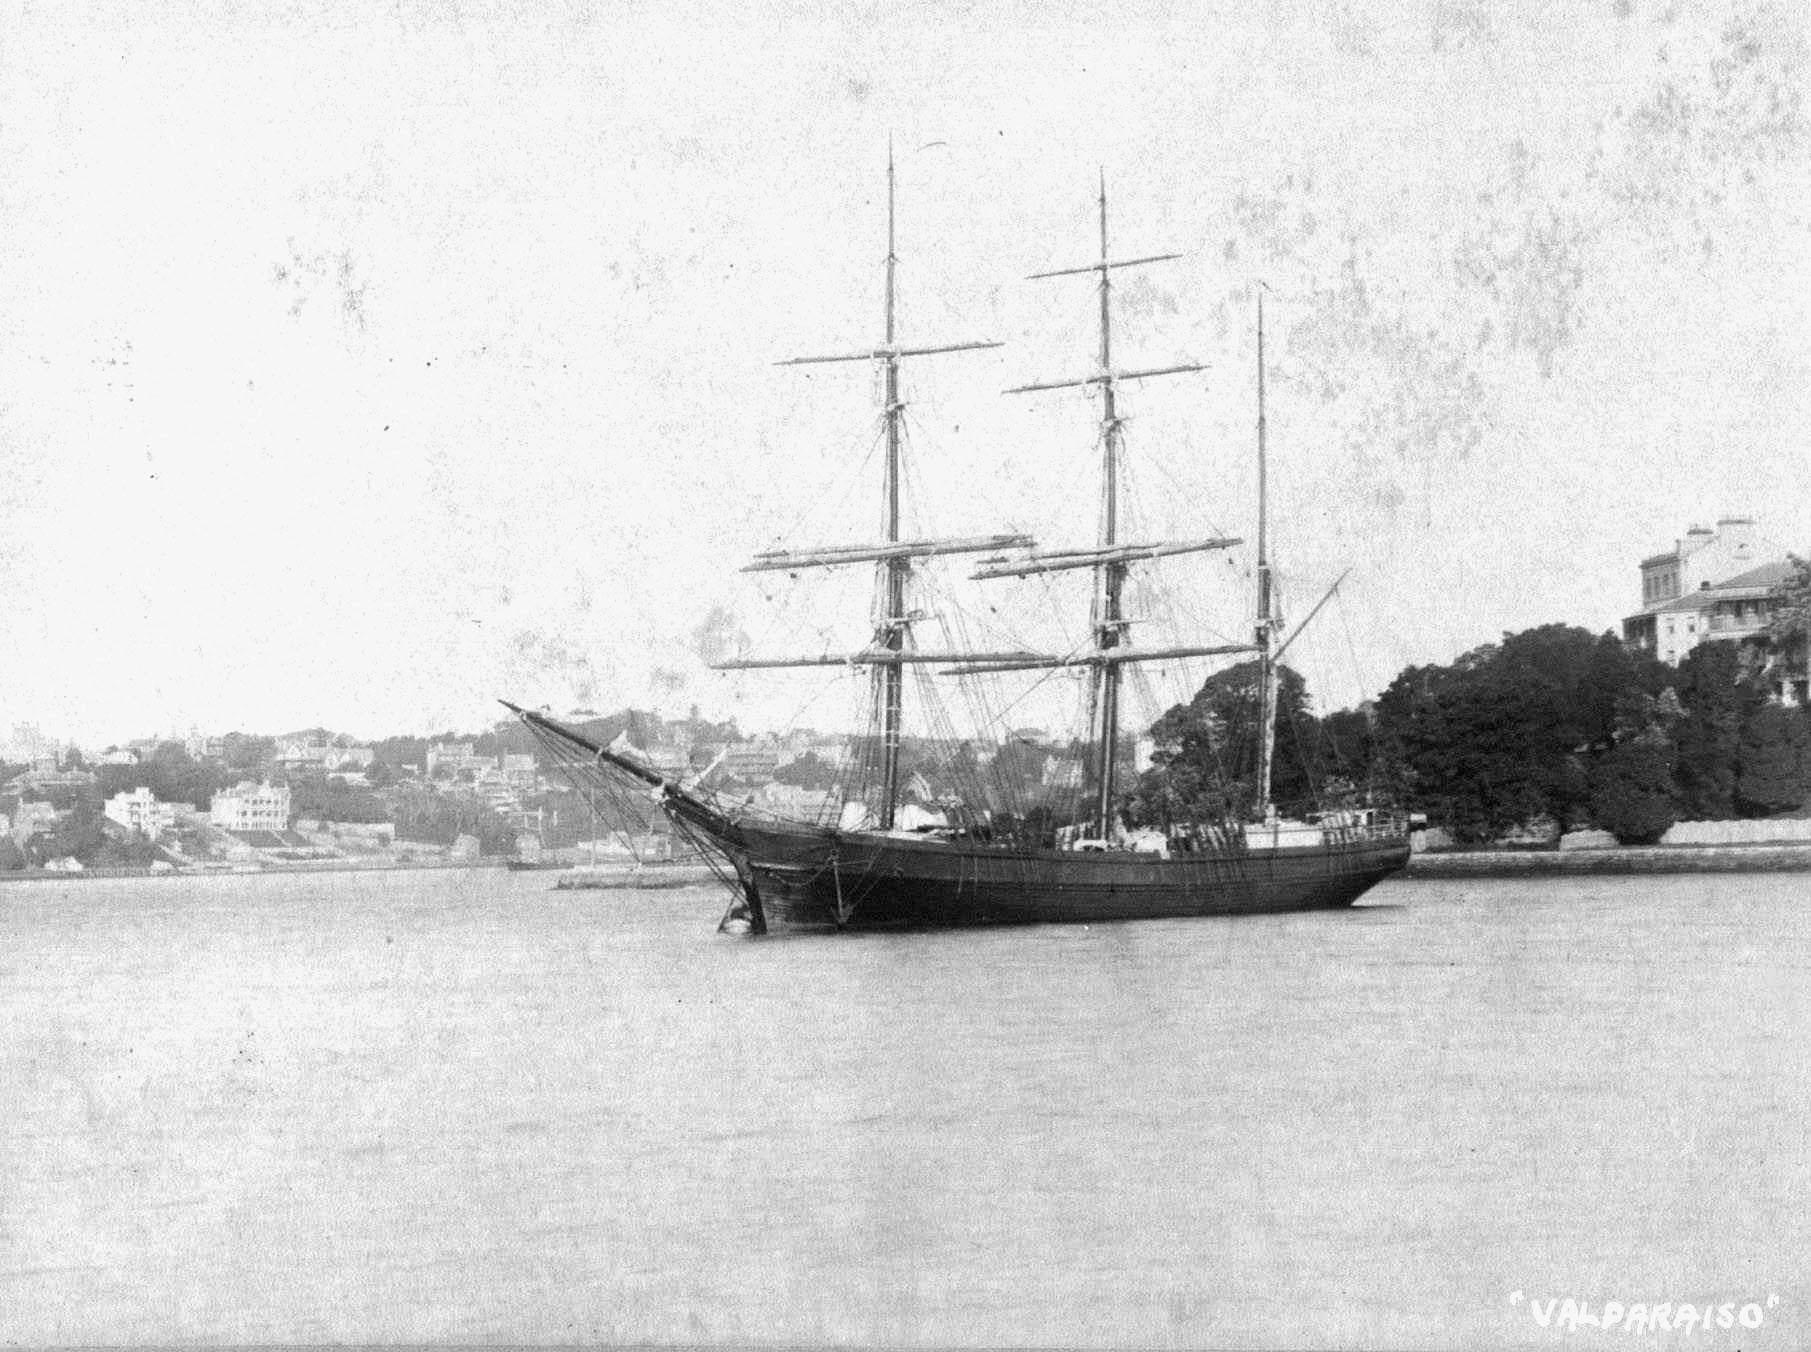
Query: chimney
point(1737, 532)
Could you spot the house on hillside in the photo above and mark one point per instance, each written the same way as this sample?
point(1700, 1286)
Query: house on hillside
point(139, 810)
point(1712, 586)
point(251, 807)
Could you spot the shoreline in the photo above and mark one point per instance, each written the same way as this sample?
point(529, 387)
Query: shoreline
point(1778, 857)
point(326, 866)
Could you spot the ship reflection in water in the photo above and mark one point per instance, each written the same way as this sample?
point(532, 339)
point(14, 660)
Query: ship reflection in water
point(464, 1105)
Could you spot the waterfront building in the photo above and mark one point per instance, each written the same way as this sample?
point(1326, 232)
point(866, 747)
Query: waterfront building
point(496, 789)
point(522, 772)
point(251, 807)
point(308, 752)
point(453, 757)
point(751, 762)
point(1713, 586)
point(349, 759)
point(1703, 557)
point(139, 810)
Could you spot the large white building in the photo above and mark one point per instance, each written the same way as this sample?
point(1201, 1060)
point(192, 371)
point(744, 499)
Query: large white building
point(139, 810)
point(251, 807)
point(1712, 586)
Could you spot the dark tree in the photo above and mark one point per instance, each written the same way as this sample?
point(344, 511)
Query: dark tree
point(129, 850)
point(77, 834)
point(1775, 763)
point(1708, 737)
point(1789, 630)
point(170, 773)
point(244, 755)
point(440, 818)
point(1507, 733)
point(330, 798)
point(1205, 762)
point(1632, 794)
point(399, 751)
point(1347, 746)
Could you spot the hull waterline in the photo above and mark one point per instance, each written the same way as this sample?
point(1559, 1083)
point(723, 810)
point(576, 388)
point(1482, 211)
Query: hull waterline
point(802, 878)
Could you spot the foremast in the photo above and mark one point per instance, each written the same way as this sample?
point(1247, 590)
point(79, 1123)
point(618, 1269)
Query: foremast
point(887, 652)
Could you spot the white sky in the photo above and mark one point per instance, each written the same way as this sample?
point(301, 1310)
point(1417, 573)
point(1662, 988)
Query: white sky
point(359, 368)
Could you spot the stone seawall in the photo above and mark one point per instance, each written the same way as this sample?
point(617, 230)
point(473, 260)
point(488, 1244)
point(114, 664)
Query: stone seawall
point(1774, 858)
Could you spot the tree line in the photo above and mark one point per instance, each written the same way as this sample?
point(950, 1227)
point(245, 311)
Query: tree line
point(1552, 725)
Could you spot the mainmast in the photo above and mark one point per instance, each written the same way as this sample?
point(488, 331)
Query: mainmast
point(1266, 610)
point(1107, 617)
point(889, 677)
point(1109, 622)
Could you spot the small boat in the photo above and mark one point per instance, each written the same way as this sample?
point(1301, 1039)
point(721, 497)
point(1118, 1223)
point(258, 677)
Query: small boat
point(634, 876)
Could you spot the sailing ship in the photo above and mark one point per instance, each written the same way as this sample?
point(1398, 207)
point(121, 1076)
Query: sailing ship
point(975, 865)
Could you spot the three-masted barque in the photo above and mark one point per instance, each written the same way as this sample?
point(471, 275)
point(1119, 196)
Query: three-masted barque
point(869, 869)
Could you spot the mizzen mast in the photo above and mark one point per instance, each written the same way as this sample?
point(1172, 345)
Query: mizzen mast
point(1266, 620)
point(1110, 564)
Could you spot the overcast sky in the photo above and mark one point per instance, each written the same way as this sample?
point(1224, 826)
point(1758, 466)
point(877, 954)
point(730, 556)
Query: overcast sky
point(361, 367)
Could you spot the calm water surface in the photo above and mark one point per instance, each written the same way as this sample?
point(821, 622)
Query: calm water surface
point(443, 1106)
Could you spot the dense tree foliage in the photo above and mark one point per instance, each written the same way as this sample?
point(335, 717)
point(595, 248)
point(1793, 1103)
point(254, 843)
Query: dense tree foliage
point(440, 818)
point(400, 751)
point(1205, 762)
point(1507, 734)
point(245, 755)
point(77, 834)
point(1789, 629)
point(331, 798)
point(1716, 702)
point(1555, 724)
point(170, 773)
point(1774, 773)
point(1632, 793)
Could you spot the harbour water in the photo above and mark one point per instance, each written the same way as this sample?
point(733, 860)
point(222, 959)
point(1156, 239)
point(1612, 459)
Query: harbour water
point(436, 1106)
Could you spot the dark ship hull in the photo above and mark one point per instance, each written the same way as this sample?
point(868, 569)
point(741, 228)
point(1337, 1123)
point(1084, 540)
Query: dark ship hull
point(803, 878)
point(798, 876)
